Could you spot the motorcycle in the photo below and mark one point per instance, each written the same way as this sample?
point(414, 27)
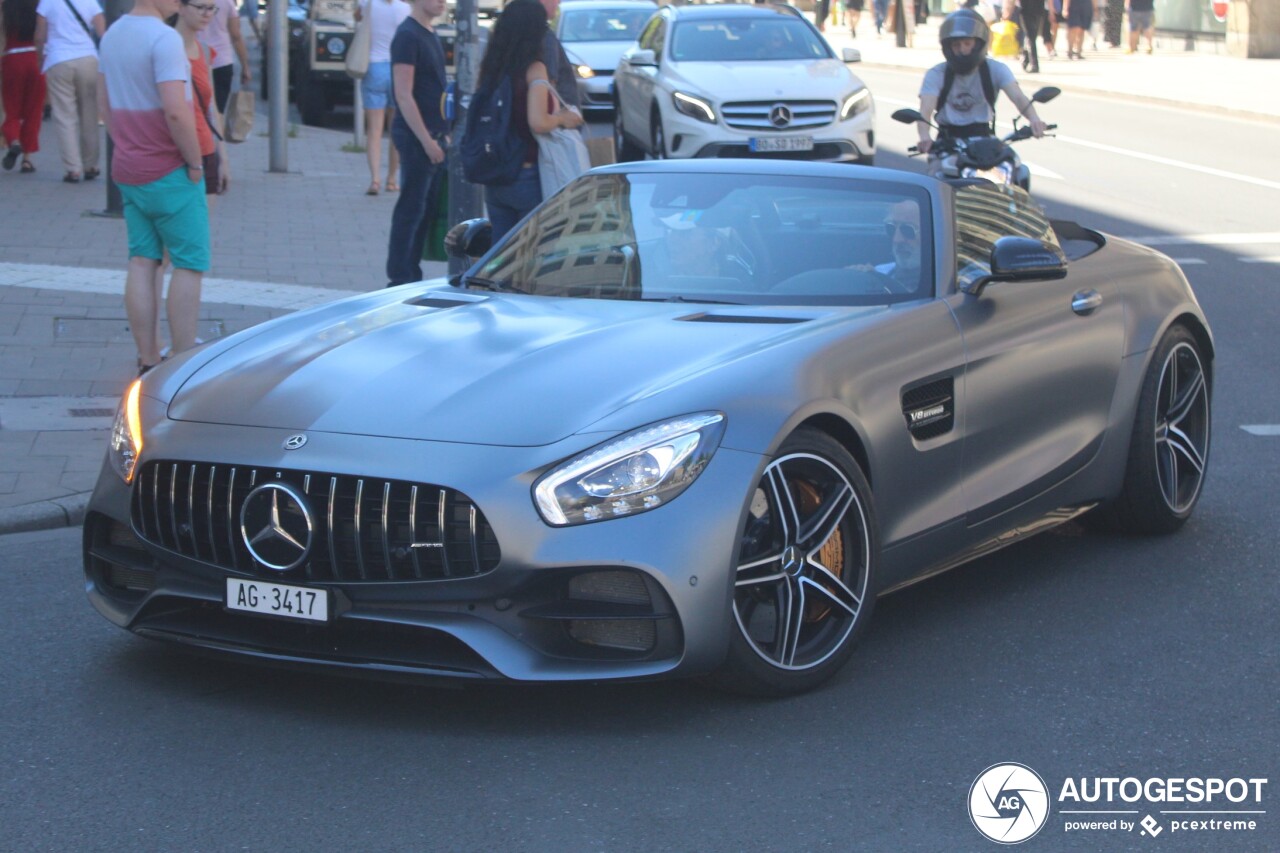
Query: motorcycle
point(989, 157)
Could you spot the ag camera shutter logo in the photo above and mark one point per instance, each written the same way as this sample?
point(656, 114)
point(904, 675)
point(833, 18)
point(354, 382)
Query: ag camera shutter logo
point(1008, 803)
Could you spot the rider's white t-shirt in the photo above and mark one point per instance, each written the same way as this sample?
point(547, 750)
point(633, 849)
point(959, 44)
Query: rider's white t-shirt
point(966, 103)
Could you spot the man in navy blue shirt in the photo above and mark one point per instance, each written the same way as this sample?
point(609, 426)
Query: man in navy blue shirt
point(419, 134)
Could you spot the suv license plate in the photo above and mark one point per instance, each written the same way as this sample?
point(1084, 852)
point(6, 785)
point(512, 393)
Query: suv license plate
point(781, 143)
point(291, 602)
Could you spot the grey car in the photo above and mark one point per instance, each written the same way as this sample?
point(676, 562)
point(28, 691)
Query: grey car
point(688, 418)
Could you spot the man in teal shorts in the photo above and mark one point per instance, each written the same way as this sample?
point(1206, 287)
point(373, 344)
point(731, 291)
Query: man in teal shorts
point(145, 95)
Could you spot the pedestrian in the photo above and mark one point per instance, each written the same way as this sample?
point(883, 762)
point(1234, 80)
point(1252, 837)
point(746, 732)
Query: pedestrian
point(514, 52)
point(559, 69)
point(1142, 21)
point(821, 9)
point(1079, 14)
point(880, 8)
point(157, 165)
point(194, 16)
point(249, 11)
point(67, 34)
point(1029, 17)
point(385, 17)
point(852, 14)
point(419, 132)
point(22, 86)
point(223, 37)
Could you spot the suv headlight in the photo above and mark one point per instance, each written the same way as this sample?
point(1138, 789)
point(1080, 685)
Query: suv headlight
point(635, 472)
point(694, 107)
point(126, 434)
point(584, 72)
point(858, 102)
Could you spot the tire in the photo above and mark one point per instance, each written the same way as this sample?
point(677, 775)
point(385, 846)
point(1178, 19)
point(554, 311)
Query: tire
point(313, 102)
point(658, 138)
point(624, 151)
point(804, 587)
point(1169, 448)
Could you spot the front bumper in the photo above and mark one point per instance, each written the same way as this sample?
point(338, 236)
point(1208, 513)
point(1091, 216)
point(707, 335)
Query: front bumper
point(518, 621)
point(845, 141)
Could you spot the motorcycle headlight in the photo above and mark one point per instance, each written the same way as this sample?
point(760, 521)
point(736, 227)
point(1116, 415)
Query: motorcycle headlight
point(999, 174)
point(584, 71)
point(858, 102)
point(126, 434)
point(694, 107)
point(635, 472)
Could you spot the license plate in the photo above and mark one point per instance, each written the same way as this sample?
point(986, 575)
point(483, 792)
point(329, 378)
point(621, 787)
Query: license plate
point(292, 602)
point(781, 143)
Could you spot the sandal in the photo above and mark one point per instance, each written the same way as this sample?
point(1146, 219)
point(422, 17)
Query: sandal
point(373, 188)
point(90, 174)
point(27, 166)
point(393, 187)
point(71, 178)
point(11, 156)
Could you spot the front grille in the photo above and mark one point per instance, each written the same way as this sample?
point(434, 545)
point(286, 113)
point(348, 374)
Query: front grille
point(754, 115)
point(363, 530)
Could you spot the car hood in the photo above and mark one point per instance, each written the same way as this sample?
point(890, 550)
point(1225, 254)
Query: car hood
point(737, 81)
point(598, 55)
point(503, 369)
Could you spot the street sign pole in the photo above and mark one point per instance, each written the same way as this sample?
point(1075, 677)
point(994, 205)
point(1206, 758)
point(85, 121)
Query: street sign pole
point(466, 200)
point(278, 84)
point(113, 10)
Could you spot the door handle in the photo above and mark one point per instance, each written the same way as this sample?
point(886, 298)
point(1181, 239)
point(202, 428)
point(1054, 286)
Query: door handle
point(1086, 302)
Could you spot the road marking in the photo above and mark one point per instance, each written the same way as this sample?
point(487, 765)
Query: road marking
point(1208, 239)
point(261, 294)
point(1042, 172)
point(1167, 161)
point(1261, 429)
point(1274, 259)
point(1187, 262)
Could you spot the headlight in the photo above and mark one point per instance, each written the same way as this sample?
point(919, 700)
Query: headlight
point(633, 473)
point(126, 434)
point(858, 102)
point(694, 107)
point(999, 174)
point(584, 71)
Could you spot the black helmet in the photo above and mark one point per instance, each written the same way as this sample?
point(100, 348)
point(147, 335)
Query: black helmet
point(964, 24)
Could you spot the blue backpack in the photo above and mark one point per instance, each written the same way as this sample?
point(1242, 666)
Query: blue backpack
point(492, 152)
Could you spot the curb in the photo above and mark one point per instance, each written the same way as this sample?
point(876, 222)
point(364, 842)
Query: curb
point(44, 515)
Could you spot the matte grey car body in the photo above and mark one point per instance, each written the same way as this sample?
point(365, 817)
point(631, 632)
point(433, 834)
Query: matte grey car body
point(850, 436)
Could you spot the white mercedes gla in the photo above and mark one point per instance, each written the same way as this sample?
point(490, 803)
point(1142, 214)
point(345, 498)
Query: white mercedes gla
point(733, 80)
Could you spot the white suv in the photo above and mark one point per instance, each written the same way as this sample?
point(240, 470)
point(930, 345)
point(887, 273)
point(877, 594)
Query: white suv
point(739, 81)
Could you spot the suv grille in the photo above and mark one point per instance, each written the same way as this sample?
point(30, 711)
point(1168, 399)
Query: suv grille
point(755, 115)
point(363, 529)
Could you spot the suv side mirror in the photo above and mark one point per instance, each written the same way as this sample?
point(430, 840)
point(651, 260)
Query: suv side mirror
point(1021, 259)
point(470, 238)
point(641, 56)
point(851, 54)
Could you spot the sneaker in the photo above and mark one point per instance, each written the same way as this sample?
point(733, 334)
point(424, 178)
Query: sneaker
point(1128, 50)
point(11, 156)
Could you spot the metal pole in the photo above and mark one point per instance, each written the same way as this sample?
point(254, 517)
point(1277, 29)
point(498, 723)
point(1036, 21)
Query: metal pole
point(466, 201)
point(358, 108)
point(278, 84)
point(113, 10)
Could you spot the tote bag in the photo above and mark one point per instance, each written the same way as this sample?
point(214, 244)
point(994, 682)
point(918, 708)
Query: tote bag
point(239, 118)
point(1004, 39)
point(562, 155)
point(358, 54)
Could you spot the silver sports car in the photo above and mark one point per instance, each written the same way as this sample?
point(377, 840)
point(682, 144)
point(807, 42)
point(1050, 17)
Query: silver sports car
point(687, 418)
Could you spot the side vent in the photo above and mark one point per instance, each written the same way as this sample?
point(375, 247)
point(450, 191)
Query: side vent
point(930, 408)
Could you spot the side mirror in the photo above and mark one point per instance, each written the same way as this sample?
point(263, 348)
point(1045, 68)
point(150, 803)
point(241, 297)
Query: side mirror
point(470, 238)
point(907, 116)
point(641, 56)
point(851, 54)
point(1021, 259)
point(1045, 95)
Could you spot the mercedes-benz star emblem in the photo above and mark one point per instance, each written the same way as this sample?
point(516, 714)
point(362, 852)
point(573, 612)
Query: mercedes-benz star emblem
point(293, 442)
point(780, 115)
point(276, 526)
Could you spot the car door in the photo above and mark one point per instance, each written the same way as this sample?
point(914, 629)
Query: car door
point(1043, 362)
point(641, 80)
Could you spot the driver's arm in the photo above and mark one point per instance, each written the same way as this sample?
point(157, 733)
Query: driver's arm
point(928, 106)
point(1026, 107)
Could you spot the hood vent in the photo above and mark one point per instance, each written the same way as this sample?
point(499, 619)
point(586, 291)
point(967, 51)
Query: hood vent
point(443, 301)
point(742, 318)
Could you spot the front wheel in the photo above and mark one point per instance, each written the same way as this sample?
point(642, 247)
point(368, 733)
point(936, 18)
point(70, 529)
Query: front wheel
point(659, 136)
point(803, 589)
point(623, 149)
point(1169, 448)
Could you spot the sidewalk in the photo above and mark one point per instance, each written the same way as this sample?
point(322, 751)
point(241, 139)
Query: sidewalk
point(285, 241)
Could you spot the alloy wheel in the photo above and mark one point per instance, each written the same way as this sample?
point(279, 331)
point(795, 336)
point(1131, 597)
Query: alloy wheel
point(1182, 427)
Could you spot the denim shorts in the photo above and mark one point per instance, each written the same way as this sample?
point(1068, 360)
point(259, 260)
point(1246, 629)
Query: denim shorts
point(1140, 21)
point(376, 86)
point(169, 213)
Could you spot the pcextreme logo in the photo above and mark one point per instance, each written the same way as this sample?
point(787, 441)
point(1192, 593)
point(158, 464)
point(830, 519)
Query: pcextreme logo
point(1009, 803)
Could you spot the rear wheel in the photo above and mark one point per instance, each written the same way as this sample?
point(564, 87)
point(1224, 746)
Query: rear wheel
point(803, 590)
point(1169, 448)
point(623, 149)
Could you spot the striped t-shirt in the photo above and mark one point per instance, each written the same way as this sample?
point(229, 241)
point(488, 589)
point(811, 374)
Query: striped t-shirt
point(138, 53)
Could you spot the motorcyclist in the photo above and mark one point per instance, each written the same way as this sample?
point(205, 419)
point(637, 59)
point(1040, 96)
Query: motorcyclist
point(962, 91)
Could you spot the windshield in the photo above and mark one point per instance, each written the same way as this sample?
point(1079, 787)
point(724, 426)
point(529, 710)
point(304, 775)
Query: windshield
point(774, 37)
point(581, 25)
point(779, 240)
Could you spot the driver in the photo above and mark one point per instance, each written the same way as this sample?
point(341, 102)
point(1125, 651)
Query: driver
point(695, 249)
point(903, 227)
point(962, 90)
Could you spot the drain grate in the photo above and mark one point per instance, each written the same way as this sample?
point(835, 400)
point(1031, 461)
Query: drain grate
point(91, 413)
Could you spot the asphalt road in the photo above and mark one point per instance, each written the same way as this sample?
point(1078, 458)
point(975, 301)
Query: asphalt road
point(1076, 654)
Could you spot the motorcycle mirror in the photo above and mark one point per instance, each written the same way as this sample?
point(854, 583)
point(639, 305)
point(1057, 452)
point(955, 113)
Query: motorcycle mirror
point(907, 116)
point(1047, 94)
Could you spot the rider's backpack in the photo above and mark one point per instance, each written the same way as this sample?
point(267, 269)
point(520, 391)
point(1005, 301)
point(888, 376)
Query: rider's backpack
point(988, 87)
point(491, 151)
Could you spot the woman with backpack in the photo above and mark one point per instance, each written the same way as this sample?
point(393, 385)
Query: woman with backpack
point(515, 54)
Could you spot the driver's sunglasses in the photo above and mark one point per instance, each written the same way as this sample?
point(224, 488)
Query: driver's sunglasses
point(908, 230)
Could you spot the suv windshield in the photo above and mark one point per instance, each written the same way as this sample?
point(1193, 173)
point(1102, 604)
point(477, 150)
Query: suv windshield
point(580, 25)
point(756, 239)
point(772, 37)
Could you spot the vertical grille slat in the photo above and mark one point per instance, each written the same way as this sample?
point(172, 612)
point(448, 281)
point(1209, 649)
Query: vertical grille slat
point(193, 509)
